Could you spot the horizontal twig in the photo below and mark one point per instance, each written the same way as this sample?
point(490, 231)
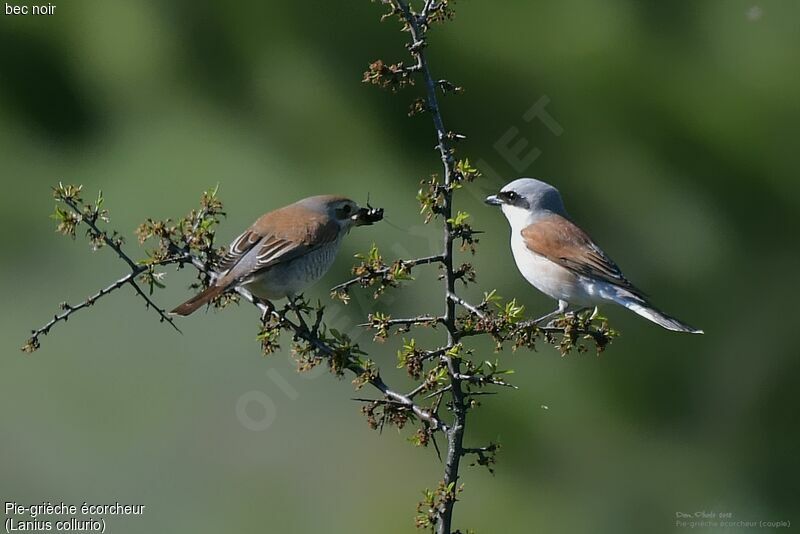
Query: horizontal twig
point(379, 273)
point(44, 330)
point(482, 380)
point(129, 278)
point(422, 320)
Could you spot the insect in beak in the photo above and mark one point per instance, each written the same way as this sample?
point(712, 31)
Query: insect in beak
point(367, 216)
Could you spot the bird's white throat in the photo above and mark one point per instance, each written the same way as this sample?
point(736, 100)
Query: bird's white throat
point(517, 217)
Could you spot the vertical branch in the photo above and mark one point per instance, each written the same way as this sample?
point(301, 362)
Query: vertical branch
point(455, 436)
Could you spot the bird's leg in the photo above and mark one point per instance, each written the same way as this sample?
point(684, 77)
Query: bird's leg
point(268, 309)
point(562, 307)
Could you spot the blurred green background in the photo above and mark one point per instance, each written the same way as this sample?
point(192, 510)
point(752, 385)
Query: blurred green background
point(678, 153)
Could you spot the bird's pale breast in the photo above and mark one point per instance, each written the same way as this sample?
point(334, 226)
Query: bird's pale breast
point(293, 277)
point(548, 277)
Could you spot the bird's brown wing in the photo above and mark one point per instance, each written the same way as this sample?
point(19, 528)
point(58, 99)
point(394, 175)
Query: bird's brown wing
point(561, 241)
point(276, 237)
point(240, 246)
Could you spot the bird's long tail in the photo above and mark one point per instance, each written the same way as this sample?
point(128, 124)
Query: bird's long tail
point(199, 300)
point(649, 312)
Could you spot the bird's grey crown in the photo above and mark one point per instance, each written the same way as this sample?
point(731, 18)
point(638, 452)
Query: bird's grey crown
point(537, 195)
point(327, 205)
point(322, 203)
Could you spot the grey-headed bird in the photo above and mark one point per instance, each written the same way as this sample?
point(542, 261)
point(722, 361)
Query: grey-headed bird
point(285, 250)
point(561, 260)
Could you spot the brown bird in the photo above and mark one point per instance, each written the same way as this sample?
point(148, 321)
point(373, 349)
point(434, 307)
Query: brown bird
point(285, 250)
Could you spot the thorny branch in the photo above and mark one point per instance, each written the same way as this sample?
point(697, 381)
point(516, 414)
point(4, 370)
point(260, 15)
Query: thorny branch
point(90, 214)
point(455, 375)
point(302, 331)
point(180, 253)
point(417, 25)
point(34, 343)
point(90, 218)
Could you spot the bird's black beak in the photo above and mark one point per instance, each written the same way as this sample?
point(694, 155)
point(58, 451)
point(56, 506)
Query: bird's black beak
point(367, 216)
point(493, 200)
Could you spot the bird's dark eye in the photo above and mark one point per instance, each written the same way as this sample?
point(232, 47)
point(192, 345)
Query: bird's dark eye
point(510, 195)
point(345, 210)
